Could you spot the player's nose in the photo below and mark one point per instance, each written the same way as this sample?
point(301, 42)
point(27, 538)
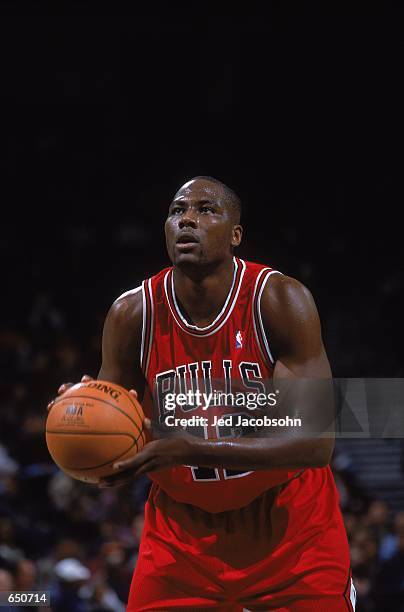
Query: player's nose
point(189, 218)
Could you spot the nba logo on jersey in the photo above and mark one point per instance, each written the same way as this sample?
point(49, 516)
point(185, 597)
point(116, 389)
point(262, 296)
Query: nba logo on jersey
point(239, 340)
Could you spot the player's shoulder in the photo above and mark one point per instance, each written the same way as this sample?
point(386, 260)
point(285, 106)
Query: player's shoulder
point(123, 326)
point(130, 297)
point(287, 303)
point(283, 290)
point(128, 307)
point(278, 288)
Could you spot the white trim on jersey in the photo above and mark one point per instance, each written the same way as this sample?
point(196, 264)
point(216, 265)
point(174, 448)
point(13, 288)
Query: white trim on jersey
point(253, 311)
point(189, 326)
point(196, 467)
point(226, 477)
point(145, 350)
point(143, 324)
point(151, 326)
point(269, 273)
point(220, 313)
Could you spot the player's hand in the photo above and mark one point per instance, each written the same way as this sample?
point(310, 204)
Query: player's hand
point(156, 455)
point(65, 386)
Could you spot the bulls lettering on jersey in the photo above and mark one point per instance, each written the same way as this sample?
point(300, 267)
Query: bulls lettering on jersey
point(177, 357)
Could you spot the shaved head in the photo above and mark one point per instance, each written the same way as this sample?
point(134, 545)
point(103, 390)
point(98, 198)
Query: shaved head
point(229, 196)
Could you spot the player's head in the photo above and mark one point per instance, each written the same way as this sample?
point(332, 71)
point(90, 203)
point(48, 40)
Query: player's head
point(203, 223)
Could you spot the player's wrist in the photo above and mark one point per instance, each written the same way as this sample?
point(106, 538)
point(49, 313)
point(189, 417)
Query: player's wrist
point(185, 448)
point(195, 450)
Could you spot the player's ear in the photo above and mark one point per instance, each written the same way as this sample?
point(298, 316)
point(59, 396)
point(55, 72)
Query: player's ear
point(237, 234)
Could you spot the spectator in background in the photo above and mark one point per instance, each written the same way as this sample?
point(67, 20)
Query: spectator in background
point(25, 576)
point(71, 575)
point(6, 584)
point(363, 549)
point(390, 542)
point(388, 590)
point(10, 553)
point(100, 597)
point(378, 519)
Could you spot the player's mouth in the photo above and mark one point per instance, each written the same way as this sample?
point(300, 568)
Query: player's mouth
point(186, 241)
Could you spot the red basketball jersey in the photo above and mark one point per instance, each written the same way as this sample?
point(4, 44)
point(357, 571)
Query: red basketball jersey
point(178, 356)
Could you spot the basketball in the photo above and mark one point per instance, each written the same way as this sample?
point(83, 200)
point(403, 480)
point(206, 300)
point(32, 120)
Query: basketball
point(93, 425)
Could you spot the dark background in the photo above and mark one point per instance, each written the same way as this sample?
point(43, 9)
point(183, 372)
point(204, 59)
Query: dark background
point(103, 117)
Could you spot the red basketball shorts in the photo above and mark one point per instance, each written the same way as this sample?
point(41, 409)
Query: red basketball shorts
point(285, 551)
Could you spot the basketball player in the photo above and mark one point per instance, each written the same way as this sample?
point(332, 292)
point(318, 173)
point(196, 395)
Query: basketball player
point(230, 524)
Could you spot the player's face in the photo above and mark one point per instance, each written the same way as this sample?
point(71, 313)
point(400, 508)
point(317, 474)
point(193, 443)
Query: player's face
point(200, 227)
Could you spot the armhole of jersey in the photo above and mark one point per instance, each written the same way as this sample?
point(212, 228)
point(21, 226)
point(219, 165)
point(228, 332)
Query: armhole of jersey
point(147, 327)
point(260, 334)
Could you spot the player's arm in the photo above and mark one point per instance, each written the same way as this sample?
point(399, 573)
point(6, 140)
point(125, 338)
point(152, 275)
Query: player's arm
point(293, 330)
point(292, 325)
point(121, 342)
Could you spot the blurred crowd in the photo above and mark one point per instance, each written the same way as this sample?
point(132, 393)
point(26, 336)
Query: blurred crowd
point(59, 535)
point(79, 542)
point(376, 540)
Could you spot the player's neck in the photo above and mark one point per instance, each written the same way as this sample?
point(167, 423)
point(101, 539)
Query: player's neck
point(201, 298)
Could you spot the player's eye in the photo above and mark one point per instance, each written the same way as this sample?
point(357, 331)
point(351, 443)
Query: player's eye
point(206, 209)
point(177, 210)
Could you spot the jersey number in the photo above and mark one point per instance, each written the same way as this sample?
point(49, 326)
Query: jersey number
point(204, 474)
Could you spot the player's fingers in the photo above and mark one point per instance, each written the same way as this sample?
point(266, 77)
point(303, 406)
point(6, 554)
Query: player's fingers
point(132, 466)
point(109, 485)
point(103, 484)
point(133, 392)
point(116, 479)
point(122, 465)
point(64, 387)
point(147, 423)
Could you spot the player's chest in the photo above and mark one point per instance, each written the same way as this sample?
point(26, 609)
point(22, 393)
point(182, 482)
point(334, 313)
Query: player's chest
point(228, 353)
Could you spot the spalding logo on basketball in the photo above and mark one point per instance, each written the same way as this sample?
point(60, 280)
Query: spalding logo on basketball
point(91, 426)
